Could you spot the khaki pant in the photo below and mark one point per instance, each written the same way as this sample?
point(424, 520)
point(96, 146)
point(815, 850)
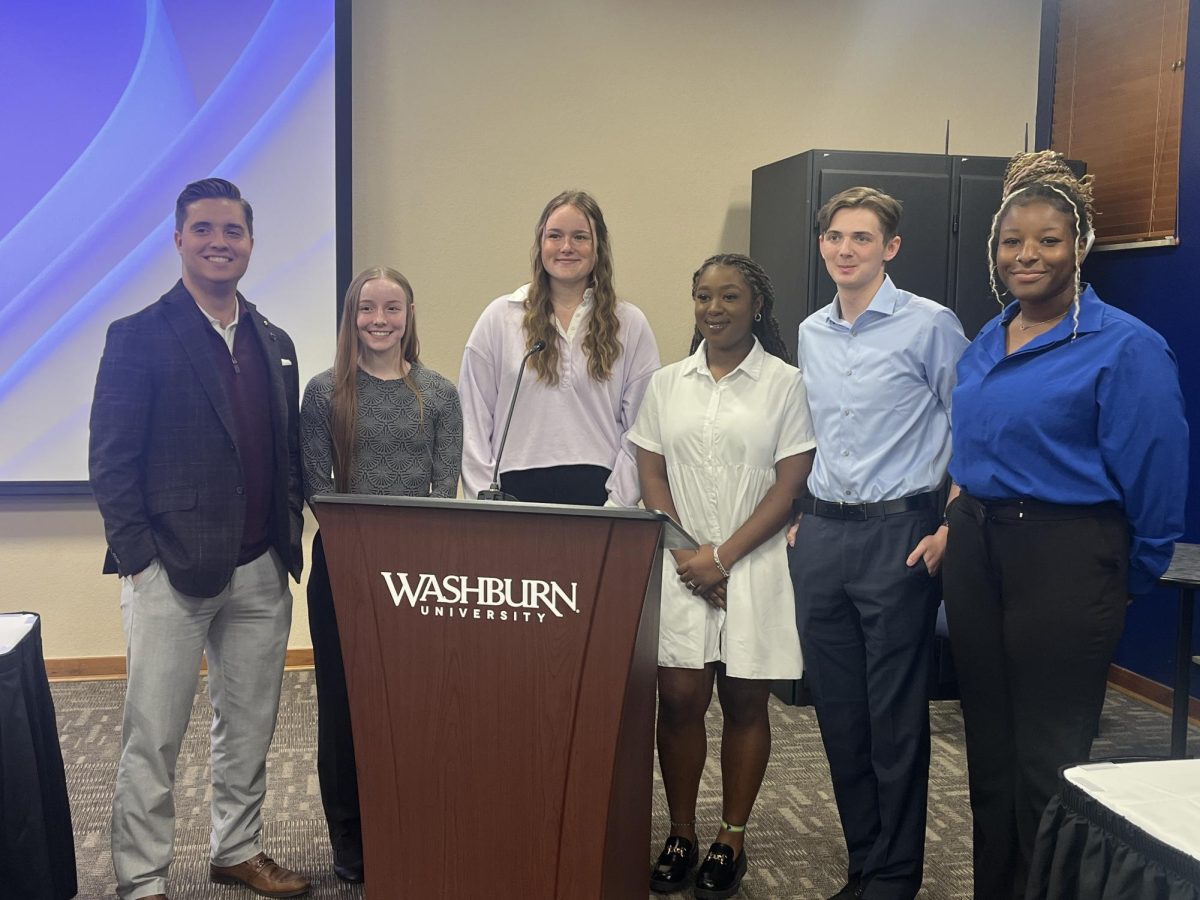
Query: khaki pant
point(243, 631)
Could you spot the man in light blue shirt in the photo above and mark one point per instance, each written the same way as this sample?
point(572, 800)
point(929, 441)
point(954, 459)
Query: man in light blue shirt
point(878, 364)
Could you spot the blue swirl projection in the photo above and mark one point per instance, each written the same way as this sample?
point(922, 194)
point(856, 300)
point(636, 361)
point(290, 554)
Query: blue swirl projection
point(127, 102)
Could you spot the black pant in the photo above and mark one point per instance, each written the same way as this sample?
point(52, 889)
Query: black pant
point(1035, 599)
point(575, 485)
point(336, 770)
point(866, 624)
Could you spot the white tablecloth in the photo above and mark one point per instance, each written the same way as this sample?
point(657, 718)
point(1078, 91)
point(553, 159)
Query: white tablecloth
point(13, 628)
point(1161, 798)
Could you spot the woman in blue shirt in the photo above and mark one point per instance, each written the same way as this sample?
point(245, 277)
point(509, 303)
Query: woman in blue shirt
point(1069, 468)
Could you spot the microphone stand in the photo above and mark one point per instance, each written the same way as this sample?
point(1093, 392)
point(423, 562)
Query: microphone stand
point(493, 492)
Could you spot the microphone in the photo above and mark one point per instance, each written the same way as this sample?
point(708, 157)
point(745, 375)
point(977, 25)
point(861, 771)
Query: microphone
point(494, 492)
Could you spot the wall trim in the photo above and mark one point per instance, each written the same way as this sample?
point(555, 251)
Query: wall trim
point(98, 668)
point(89, 668)
point(1149, 691)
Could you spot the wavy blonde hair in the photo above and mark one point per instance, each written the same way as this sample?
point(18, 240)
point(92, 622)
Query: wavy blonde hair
point(602, 343)
point(343, 413)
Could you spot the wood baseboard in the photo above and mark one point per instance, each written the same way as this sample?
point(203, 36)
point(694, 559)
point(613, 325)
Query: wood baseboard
point(88, 668)
point(1152, 692)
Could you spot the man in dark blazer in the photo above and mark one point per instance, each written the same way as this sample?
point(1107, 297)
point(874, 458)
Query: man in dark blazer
point(194, 462)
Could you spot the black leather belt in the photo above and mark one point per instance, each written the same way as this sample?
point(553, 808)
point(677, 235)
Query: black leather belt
point(1033, 510)
point(862, 511)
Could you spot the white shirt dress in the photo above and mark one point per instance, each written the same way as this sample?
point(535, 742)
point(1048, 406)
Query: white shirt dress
point(721, 441)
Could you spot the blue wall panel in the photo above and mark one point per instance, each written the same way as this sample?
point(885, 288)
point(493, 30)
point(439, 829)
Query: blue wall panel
point(1160, 287)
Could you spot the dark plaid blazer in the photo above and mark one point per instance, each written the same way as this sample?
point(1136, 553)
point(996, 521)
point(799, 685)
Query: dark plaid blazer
point(163, 458)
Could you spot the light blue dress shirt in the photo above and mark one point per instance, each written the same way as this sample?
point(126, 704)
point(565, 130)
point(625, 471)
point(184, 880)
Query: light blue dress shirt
point(879, 392)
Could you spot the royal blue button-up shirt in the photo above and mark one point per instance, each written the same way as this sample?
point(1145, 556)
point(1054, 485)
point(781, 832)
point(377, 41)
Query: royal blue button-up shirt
point(880, 393)
point(1098, 419)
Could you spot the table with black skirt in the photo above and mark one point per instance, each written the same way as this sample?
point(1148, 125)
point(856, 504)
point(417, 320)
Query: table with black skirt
point(1121, 831)
point(37, 847)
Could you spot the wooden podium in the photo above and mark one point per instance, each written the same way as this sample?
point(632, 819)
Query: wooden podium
point(500, 662)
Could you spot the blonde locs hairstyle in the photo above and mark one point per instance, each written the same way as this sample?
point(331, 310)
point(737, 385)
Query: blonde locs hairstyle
point(602, 343)
point(343, 413)
point(1044, 176)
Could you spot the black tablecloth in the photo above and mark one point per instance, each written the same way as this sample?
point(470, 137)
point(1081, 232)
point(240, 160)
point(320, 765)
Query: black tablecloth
point(1085, 851)
point(37, 847)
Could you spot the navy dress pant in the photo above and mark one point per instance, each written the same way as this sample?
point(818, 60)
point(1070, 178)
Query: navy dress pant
point(866, 624)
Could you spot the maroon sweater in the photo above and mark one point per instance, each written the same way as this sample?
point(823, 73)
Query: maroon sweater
point(247, 384)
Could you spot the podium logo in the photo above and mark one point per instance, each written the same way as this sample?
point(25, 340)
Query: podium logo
point(482, 597)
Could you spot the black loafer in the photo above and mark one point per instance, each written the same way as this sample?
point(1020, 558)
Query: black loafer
point(721, 874)
point(852, 890)
point(674, 866)
point(348, 866)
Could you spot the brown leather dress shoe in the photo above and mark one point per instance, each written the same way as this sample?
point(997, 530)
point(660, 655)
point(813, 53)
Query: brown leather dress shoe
point(263, 876)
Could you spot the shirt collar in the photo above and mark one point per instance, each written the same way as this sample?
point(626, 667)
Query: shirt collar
point(1091, 318)
point(578, 317)
point(883, 303)
point(1091, 315)
point(519, 295)
point(751, 366)
point(215, 322)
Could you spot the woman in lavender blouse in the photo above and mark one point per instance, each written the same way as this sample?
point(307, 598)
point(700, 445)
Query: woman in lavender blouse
point(567, 442)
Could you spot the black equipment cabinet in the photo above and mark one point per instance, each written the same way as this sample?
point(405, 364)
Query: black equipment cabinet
point(948, 202)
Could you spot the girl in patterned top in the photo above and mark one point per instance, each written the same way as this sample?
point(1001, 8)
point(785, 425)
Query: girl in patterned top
point(378, 422)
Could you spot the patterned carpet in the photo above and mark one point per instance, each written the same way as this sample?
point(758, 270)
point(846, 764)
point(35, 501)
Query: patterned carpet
point(795, 843)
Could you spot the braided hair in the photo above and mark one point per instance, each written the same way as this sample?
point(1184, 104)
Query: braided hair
point(1044, 176)
point(764, 326)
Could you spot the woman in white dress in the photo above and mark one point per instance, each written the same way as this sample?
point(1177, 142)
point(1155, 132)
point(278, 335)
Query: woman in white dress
point(724, 445)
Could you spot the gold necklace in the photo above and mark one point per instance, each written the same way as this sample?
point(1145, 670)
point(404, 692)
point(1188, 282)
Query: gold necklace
point(1025, 327)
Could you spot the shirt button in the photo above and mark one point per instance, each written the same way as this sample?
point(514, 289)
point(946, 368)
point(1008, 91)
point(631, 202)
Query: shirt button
point(845, 453)
point(847, 493)
point(240, 490)
point(845, 412)
point(849, 371)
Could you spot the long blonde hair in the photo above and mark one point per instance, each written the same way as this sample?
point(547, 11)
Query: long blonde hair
point(343, 414)
point(602, 343)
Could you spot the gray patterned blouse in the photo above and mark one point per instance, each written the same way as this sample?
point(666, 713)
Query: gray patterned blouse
point(396, 453)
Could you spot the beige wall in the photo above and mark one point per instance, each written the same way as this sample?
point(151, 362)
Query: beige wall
point(469, 115)
point(51, 551)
